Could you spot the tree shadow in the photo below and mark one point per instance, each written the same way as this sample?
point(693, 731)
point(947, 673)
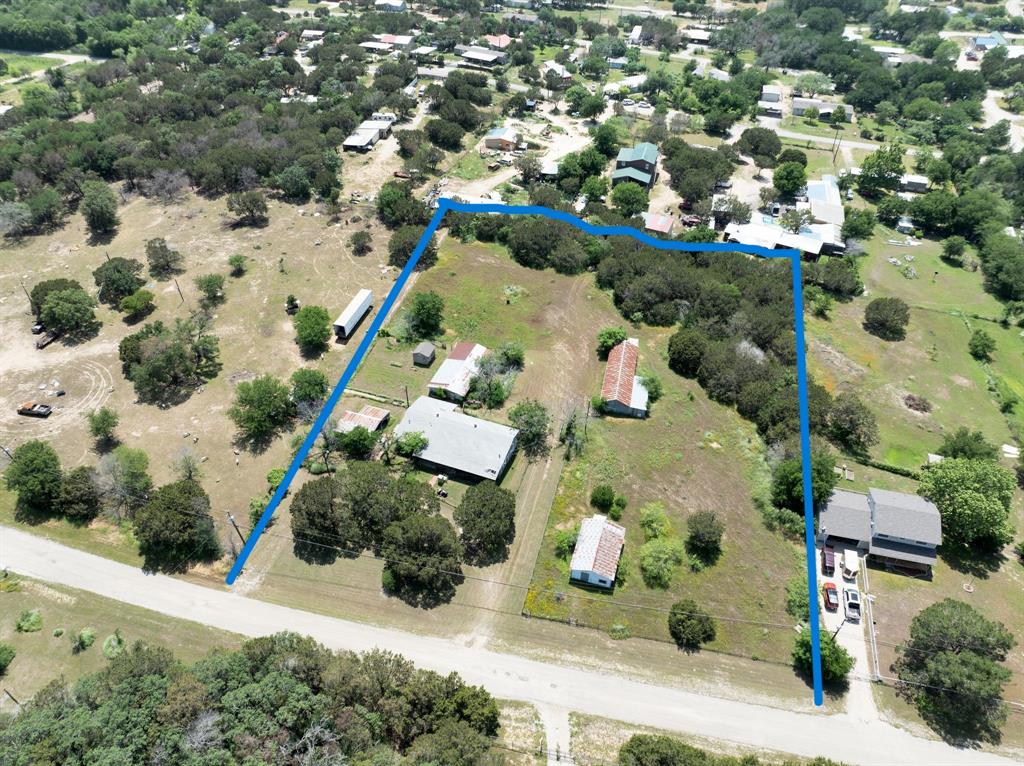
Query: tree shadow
point(948, 718)
point(34, 516)
point(974, 562)
point(707, 557)
point(441, 591)
point(175, 561)
point(834, 690)
point(98, 238)
point(483, 558)
point(82, 335)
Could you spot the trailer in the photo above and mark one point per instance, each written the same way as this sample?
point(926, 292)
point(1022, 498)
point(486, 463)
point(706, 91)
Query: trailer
point(353, 314)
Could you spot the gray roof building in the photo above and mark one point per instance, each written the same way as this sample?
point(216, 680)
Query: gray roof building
point(457, 442)
point(423, 354)
point(896, 529)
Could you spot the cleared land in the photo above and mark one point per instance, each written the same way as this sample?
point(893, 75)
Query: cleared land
point(932, 361)
point(490, 300)
point(296, 253)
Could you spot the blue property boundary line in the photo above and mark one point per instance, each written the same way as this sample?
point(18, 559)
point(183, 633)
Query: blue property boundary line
point(444, 205)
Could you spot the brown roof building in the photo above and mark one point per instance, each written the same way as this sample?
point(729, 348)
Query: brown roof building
point(595, 559)
point(622, 392)
point(369, 417)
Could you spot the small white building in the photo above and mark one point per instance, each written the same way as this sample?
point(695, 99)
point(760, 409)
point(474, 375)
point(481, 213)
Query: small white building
point(595, 560)
point(389, 6)
point(452, 379)
point(635, 36)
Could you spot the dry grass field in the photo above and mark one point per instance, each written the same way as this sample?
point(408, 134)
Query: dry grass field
point(298, 253)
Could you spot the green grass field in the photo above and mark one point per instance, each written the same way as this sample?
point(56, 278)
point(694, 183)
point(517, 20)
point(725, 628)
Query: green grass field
point(42, 657)
point(932, 361)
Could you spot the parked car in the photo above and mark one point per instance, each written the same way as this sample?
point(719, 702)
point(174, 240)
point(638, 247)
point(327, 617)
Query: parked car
point(37, 328)
point(402, 174)
point(828, 560)
point(34, 410)
point(628, 102)
point(851, 604)
point(830, 593)
point(644, 104)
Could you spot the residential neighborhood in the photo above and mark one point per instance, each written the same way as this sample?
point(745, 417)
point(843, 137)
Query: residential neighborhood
point(526, 382)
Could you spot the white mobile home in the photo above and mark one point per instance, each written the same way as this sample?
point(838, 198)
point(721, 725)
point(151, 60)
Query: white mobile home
point(353, 314)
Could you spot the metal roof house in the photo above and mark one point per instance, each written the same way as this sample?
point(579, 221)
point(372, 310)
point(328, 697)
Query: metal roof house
point(459, 443)
point(638, 164)
point(451, 381)
point(895, 529)
point(622, 392)
point(824, 201)
point(503, 139)
point(595, 560)
point(423, 355)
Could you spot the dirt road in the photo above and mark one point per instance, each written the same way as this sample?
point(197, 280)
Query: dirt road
point(546, 685)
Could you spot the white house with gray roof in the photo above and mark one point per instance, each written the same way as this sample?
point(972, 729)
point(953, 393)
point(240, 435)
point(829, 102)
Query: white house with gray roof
point(894, 529)
point(459, 443)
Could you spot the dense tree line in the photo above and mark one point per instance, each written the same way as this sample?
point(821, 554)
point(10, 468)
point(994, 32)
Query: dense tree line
point(282, 699)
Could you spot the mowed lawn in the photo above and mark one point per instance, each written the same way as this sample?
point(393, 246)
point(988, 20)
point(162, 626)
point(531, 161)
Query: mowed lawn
point(42, 657)
point(932, 361)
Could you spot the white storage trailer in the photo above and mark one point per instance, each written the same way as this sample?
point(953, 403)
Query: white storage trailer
point(353, 314)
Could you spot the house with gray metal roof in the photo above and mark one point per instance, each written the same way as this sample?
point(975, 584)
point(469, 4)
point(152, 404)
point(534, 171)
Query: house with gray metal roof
point(458, 443)
point(894, 529)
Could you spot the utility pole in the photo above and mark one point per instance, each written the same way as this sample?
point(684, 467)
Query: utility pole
point(838, 629)
point(235, 525)
point(25, 289)
point(12, 697)
point(179, 291)
point(407, 396)
point(7, 452)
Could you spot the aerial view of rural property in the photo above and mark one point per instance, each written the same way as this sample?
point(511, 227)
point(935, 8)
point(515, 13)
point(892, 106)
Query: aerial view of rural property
point(511, 382)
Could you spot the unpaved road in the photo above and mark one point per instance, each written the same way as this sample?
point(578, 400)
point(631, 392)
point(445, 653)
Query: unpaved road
point(506, 676)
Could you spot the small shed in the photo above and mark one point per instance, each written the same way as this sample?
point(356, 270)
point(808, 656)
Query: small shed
point(423, 355)
point(369, 417)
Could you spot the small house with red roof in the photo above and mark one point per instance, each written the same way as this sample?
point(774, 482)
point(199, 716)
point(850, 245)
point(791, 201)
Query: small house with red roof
point(623, 393)
point(595, 560)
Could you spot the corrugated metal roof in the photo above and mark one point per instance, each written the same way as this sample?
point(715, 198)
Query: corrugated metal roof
point(369, 417)
point(620, 372)
point(598, 547)
point(457, 441)
point(642, 151)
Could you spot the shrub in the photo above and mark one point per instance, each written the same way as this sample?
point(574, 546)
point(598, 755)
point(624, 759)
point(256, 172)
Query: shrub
point(798, 598)
point(83, 639)
point(274, 477)
point(836, 662)
point(705, 538)
point(887, 318)
point(113, 645)
point(565, 542)
point(6, 656)
point(653, 521)
point(618, 506)
point(236, 263)
point(689, 625)
point(608, 339)
point(981, 345)
point(30, 621)
point(658, 561)
point(602, 497)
